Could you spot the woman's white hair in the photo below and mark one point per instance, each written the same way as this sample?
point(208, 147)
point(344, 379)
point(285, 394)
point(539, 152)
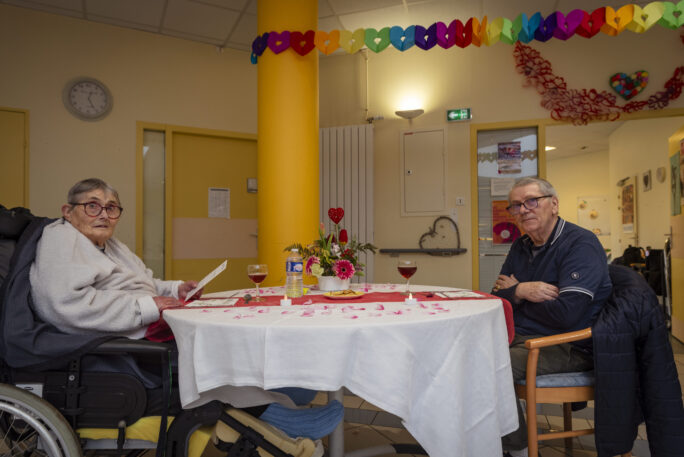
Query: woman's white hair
point(87, 185)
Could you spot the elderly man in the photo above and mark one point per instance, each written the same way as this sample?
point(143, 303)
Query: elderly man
point(556, 278)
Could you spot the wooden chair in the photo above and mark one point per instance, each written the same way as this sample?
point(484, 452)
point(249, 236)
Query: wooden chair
point(564, 388)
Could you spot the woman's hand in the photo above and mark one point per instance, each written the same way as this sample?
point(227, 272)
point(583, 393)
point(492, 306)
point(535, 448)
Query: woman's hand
point(167, 303)
point(187, 287)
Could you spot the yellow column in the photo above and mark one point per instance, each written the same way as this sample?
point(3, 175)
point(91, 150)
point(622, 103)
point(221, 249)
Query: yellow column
point(287, 161)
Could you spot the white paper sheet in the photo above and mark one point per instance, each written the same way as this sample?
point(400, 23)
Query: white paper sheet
point(212, 302)
point(206, 279)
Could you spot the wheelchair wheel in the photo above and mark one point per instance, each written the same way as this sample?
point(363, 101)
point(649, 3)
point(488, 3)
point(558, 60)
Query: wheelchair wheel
point(31, 427)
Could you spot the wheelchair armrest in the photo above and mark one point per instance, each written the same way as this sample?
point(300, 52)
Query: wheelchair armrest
point(559, 338)
point(130, 346)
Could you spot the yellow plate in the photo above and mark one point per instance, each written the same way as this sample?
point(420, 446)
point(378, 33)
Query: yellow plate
point(343, 294)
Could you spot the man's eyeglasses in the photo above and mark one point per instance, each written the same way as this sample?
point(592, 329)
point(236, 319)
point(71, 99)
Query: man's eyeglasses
point(93, 209)
point(530, 203)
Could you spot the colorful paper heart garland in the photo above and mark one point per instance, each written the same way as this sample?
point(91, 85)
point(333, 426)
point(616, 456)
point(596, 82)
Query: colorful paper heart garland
point(581, 106)
point(523, 29)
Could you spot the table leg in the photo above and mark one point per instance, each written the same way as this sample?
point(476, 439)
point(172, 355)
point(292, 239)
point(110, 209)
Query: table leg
point(336, 438)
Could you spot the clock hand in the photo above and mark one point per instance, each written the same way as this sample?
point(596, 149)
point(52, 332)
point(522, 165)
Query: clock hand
point(90, 94)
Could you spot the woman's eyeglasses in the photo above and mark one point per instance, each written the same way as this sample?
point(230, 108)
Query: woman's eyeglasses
point(530, 203)
point(93, 209)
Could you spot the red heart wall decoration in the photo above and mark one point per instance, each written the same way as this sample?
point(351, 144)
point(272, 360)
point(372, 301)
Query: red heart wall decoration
point(336, 214)
point(629, 86)
point(302, 43)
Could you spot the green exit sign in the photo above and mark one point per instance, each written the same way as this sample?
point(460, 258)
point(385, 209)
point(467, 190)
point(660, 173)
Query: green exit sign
point(462, 114)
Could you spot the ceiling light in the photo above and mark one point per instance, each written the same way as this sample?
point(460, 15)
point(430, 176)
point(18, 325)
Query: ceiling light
point(409, 113)
point(549, 148)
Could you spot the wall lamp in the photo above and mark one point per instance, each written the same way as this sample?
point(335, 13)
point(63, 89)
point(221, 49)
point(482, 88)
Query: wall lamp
point(409, 113)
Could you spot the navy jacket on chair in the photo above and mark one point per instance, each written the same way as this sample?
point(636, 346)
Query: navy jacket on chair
point(636, 375)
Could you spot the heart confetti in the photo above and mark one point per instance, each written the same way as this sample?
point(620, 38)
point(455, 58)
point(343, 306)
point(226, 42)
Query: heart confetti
point(336, 214)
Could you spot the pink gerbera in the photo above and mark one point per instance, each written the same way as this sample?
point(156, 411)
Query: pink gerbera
point(310, 262)
point(343, 269)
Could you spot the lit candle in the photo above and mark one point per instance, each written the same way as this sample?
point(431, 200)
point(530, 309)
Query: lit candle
point(285, 301)
point(410, 300)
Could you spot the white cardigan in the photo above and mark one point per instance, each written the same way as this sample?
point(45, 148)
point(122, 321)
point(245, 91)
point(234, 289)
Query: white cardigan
point(81, 289)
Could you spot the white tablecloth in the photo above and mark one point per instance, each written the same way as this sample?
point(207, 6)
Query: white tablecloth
point(442, 366)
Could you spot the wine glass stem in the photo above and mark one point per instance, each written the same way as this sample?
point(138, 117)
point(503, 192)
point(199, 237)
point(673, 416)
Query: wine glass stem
point(257, 286)
point(407, 286)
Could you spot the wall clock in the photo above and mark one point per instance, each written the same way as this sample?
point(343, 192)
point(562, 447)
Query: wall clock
point(87, 99)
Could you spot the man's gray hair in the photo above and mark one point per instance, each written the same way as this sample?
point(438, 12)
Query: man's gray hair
point(545, 187)
point(87, 185)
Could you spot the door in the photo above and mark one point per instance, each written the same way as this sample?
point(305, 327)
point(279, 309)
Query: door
point(676, 156)
point(14, 158)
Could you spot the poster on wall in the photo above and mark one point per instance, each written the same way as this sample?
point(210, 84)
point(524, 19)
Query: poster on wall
point(504, 230)
point(676, 183)
point(592, 214)
point(509, 157)
point(628, 198)
point(681, 173)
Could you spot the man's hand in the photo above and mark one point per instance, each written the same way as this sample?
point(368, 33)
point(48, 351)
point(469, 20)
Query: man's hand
point(167, 303)
point(536, 291)
point(504, 282)
point(185, 288)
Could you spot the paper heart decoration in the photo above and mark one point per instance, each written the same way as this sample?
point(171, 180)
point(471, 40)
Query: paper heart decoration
point(352, 42)
point(336, 214)
point(508, 34)
point(278, 42)
point(628, 87)
point(426, 38)
point(546, 28)
point(326, 42)
point(673, 15)
point(646, 17)
point(403, 39)
point(527, 26)
point(377, 41)
point(446, 36)
point(260, 44)
point(617, 21)
point(592, 23)
point(461, 36)
point(491, 33)
point(473, 30)
point(302, 43)
point(567, 25)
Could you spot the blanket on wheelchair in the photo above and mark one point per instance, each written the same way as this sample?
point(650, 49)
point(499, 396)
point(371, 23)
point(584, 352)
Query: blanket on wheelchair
point(25, 341)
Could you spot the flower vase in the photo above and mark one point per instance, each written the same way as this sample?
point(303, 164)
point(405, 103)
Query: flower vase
point(331, 283)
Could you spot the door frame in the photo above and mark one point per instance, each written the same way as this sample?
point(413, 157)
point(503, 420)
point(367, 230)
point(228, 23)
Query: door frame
point(169, 130)
point(541, 125)
point(27, 162)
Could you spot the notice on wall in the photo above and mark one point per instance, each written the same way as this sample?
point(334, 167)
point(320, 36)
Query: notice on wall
point(504, 229)
point(592, 214)
point(628, 197)
point(509, 157)
point(500, 187)
point(219, 202)
point(676, 183)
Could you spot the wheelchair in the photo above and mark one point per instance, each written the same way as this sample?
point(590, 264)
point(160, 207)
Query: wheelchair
point(74, 402)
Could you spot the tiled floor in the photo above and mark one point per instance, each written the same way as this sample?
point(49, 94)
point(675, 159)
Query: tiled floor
point(367, 425)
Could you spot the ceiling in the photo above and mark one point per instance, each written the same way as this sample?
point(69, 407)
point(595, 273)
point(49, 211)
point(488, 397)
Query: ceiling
point(571, 140)
point(233, 23)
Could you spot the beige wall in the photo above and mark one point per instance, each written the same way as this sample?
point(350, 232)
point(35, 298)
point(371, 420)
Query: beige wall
point(152, 78)
point(636, 147)
point(166, 80)
point(584, 175)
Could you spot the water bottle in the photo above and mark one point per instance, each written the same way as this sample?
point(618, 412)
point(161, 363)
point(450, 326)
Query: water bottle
point(294, 267)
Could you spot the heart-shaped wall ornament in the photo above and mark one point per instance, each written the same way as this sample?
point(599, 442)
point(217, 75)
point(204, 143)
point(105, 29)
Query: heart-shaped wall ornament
point(617, 20)
point(260, 44)
point(326, 42)
point(278, 42)
point(403, 39)
point(352, 42)
point(592, 23)
point(442, 235)
point(646, 17)
point(377, 40)
point(673, 15)
point(302, 43)
point(336, 214)
point(628, 86)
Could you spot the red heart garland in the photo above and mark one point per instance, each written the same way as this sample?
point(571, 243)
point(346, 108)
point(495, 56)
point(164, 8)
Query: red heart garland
point(336, 214)
point(302, 43)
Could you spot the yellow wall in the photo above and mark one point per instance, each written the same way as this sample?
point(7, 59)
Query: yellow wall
point(584, 175)
point(172, 81)
point(152, 78)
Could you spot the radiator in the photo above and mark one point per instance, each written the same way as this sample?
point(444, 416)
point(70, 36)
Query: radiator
point(346, 175)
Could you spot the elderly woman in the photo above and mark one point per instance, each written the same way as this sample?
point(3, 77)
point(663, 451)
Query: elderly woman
point(84, 280)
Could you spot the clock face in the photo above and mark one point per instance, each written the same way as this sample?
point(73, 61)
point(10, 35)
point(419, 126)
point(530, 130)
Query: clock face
point(87, 99)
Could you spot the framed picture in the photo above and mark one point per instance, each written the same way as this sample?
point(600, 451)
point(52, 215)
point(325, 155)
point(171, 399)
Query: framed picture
point(646, 181)
point(628, 206)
